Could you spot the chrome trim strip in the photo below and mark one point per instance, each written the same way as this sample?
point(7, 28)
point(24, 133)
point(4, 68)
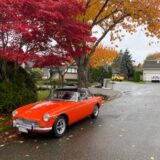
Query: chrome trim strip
point(42, 129)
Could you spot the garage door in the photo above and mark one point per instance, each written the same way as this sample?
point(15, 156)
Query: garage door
point(151, 77)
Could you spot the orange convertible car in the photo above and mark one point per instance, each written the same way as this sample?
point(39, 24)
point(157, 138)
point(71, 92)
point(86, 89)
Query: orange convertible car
point(62, 108)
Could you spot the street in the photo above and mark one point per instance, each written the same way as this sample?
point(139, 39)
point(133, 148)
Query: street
point(128, 128)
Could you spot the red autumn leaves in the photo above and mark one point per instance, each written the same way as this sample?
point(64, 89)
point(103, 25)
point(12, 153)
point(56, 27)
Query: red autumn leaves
point(44, 31)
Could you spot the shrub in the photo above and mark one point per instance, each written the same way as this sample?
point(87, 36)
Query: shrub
point(36, 74)
point(98, 74)
point(71, 82)
point(137, 76)
point(20, 89)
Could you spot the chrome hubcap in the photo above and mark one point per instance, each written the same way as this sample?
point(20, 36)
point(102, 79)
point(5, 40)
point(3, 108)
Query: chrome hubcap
point(61, 126)
point(96, 111)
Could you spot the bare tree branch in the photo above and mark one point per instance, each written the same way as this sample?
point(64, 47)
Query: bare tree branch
point(107, 16)
point(87, 4)
point(3, 41)
point(99, 13)
point(104, 34)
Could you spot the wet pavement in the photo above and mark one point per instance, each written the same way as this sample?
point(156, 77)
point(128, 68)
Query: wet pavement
point(128, 128)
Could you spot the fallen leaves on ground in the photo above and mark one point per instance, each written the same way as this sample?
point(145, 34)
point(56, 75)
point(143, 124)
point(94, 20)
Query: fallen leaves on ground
point(67, 139)
point(7, 137)
point(2, 145)
point(7, 133)
point(71, 136)
point(21, 142)
point(27, 155)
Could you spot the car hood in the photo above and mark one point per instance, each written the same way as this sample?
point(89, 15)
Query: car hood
point(37, 110)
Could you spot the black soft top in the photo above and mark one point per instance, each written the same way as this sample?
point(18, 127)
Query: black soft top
point(73, 89)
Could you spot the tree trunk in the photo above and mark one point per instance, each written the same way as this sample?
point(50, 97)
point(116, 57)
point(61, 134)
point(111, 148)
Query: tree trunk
point(3, 70)
point(83, 71)
point(61, 79)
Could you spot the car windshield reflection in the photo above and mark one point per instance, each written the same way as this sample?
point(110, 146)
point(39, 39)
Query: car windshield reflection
point(63, 96)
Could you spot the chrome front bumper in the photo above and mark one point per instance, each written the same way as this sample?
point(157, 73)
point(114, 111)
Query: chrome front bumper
point(22, 127)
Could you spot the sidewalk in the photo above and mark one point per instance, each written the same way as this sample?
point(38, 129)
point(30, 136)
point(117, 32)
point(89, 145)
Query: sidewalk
point(108, 92)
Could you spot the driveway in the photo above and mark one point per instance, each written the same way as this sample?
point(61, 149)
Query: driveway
point(128, 128)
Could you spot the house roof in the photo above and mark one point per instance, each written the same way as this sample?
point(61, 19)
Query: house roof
point(151, 64)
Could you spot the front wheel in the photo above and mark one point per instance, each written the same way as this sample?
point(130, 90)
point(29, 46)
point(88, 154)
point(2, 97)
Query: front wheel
point(59, 127)
point(95, 112)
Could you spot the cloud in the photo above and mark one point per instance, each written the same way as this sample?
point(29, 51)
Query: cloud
point(137, 44)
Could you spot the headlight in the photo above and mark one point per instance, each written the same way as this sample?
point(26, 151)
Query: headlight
point(46, 117)
point(14, 113)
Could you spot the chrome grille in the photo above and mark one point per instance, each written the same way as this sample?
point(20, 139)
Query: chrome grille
point(21, 121)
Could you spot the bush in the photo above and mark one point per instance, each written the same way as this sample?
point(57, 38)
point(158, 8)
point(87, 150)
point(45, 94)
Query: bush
point(71, 82)
point(36, 74)
point(137, 76)
point(43, 94)
point(20, 89)
point(98, 74)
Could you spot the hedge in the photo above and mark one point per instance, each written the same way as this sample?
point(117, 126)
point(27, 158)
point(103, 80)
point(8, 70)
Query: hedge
point(20, 89)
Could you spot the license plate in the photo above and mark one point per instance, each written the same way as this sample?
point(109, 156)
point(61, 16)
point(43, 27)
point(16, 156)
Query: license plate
point(24, 130)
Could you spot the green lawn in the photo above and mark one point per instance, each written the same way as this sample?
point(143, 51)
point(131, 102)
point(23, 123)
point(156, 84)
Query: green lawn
point(42, 94)
point(140, 82)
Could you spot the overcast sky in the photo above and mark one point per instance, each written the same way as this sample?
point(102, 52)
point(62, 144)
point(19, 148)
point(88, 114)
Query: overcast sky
point(137, 44)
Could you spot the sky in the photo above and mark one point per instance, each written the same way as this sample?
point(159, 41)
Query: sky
point(137, 44)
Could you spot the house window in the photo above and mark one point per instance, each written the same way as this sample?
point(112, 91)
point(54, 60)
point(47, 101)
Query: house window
point(72, 70)
point(69, 70)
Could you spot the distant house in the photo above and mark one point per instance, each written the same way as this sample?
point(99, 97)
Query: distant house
point(151, 70)
point(71, 73)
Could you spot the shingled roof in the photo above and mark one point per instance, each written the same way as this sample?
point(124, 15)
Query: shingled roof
point(151, 64)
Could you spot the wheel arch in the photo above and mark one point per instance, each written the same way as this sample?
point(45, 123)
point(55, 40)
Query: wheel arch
point(97, 104)
point(66, 116)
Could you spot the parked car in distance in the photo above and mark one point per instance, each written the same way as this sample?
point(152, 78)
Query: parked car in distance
point(118, 77)
point(62, 108)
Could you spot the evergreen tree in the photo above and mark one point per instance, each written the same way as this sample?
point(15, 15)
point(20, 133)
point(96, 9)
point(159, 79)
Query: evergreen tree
point(116, 66)
point(123, 64)
point(127, 64)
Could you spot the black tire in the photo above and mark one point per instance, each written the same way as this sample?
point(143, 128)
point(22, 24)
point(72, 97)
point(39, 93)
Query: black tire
point(24, 134)
point(57, 133)
point(95, 112)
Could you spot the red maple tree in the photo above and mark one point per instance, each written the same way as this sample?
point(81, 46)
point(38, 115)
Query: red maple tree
point(44, 30)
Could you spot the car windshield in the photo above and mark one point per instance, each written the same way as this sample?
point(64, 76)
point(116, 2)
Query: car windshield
point(63, 95)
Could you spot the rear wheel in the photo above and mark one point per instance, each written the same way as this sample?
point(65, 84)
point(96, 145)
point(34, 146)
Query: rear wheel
point(59, 127)
point(95, 112)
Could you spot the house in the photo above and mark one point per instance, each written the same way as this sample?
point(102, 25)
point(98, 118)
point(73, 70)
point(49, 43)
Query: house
point(71, 73)
point(151, 71)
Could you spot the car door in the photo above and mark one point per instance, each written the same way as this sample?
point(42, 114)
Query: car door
point(77, 111)
point(85, 105)
point(82, 108)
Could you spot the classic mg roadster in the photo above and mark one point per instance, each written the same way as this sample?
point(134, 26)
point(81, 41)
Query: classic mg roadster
point(62, 108)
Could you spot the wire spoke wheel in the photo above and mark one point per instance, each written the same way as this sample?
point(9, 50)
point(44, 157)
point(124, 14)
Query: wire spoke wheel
point(59, 127)
point(95, 112)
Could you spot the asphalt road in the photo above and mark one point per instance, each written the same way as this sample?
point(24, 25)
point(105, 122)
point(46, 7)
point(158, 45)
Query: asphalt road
point(128, 128)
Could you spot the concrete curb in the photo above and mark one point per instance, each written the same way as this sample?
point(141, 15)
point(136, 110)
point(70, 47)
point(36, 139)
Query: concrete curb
point(107, 92)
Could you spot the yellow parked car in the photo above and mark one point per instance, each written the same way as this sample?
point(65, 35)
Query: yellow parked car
point(118, 77)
